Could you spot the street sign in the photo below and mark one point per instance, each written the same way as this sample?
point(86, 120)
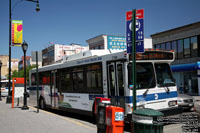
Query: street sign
point(139, 47)
point(139, 31)
point(116, 43)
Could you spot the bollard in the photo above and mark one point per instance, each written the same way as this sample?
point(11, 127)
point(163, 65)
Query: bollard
point(114, 119)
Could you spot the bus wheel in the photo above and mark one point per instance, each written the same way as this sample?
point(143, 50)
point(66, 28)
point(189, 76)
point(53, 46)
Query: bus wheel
point(42, 103)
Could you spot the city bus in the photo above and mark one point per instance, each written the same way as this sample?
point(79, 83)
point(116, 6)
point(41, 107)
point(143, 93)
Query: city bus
point(4, 87)
point(74, 83)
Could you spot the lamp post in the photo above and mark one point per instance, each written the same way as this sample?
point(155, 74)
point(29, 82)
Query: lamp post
point(24, 48)
point(9, 98)
point(0, 80)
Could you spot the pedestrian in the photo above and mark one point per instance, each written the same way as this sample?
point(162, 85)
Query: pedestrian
point(181, 89)
point(185, 88)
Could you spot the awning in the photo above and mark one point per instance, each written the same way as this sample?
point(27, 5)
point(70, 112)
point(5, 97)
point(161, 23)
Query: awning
point(186, 67)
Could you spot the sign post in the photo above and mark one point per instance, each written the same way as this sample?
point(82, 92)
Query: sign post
point(17, 89)
point(133, 27)
point(135, 41)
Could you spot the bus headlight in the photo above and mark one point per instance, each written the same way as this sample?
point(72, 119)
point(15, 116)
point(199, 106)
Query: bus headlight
point(172, 103)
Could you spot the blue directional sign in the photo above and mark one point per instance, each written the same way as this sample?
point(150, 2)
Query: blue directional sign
point(139, 32)
point(139, 47)
point(128, 31)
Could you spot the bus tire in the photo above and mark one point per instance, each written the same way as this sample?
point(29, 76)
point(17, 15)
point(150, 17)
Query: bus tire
point(42, 104)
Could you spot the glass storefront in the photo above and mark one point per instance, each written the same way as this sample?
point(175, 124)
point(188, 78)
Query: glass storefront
point(191, 82)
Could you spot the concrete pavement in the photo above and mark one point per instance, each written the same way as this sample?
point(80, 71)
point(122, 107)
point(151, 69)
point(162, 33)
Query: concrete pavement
point(197, 103)
point(28, 121)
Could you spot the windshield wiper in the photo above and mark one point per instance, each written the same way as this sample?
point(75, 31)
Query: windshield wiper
point(167, 90)
point(145, 93)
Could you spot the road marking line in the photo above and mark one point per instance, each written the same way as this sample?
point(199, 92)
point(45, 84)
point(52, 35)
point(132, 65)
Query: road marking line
point(68, 119)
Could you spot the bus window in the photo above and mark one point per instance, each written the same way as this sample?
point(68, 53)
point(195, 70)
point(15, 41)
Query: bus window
point(145, 75)
point(164, 75)
point(112, 80)
point(120, 79)
point(78, 79)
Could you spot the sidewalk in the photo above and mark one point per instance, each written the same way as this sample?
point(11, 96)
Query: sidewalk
point(197, 103)
point(28, 121)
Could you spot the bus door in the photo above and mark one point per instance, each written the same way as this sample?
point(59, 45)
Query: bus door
point(116, 83)
point(54, 90)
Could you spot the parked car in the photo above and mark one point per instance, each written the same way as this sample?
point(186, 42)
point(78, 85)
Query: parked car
point(185, 101)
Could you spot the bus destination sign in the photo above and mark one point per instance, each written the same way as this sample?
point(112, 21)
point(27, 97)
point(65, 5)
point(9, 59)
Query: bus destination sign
point(152, 55)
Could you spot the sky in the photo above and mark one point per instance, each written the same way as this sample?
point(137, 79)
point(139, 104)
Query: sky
point(75, 21)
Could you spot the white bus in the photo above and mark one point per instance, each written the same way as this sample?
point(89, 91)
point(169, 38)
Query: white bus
point(74, 83)
point(4, 87)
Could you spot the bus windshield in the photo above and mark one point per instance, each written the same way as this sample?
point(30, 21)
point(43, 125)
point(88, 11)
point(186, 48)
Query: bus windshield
point(145, 75)
point(164, 75)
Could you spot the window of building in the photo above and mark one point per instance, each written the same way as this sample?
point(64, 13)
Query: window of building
point(194, 46)
point(157, 46)
point(162, 46)
point(187, 48)
point(168, 46)
point(174, 47)
point(180, 49)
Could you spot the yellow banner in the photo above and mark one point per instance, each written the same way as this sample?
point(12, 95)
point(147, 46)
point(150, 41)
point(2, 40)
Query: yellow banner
point(17, 32)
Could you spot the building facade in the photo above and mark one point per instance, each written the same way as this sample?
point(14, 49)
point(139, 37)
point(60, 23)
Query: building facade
point(5, 65)
point(56, 52)
point(185, 41)
point(112, 42)
point(21, 62)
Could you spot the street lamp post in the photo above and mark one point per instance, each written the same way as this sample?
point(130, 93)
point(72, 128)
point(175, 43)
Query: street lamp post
point(9, 98)
point(0, 80)
point(24, 48)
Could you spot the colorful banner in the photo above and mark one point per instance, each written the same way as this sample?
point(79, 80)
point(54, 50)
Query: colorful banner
point(17, 32)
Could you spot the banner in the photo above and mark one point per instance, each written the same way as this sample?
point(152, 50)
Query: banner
point(17, 32)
